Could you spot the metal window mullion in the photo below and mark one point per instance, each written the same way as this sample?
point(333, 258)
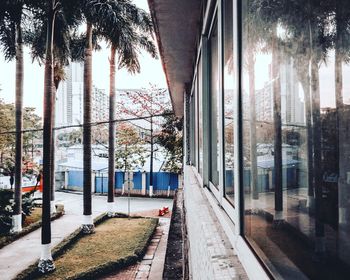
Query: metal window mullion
point(220, 132)
point(205, 110)
point(238, 137)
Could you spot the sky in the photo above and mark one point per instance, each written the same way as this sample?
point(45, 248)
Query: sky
point(151, 72)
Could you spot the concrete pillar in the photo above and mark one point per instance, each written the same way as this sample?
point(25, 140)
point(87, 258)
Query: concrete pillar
point(143, 183)
point(93, 182)
point(66, 176)
point(179, 176)
point(168, 193)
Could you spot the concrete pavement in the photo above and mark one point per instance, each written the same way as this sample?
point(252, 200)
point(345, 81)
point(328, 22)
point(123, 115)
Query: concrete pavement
point(25, 251)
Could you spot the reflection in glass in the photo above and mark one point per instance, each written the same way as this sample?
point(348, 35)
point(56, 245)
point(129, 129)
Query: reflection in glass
point(228, 88)
point(192, 129)
point(214, 106)
point(296, 131)
point(200, 117)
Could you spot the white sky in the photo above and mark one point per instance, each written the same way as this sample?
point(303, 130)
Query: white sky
point(151, 72)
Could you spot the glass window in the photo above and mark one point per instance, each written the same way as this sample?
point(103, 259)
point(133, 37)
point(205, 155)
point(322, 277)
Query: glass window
point(200, 117)
point(214, 106)
point(192, 129)
point(196, 123)
point(296, 131)
point(228, 87)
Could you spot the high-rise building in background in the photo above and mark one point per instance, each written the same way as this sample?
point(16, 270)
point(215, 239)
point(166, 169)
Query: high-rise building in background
point(70, 98)
point(100, 105)
point(292, 105)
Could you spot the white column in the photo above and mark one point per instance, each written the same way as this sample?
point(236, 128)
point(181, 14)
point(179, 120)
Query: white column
point(143, 189)
point(93, 176)
point(150, 191)
point(110, 209)
point(17, 223)
point(52, 207)
point(66, 173)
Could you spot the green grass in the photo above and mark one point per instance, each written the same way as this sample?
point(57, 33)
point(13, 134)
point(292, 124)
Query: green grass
point(116, 242)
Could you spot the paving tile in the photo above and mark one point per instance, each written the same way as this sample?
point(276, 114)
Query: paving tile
point(144, 267)
point(148, 257)
point(147, 262)
point(142, 275)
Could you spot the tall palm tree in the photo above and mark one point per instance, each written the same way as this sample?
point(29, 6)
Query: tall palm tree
point(90, 10)
point(127, 29)
point(88, 226)
point(81, 50)
point(46, 263)
point(11, 37)
point(66, 21)
point(253, 27)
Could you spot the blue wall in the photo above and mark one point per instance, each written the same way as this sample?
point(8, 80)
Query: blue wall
point(75, 179)
point(161, 181)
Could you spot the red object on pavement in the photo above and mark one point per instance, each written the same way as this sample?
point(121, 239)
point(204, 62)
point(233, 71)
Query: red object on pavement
point(166, 209)
point(161, 212)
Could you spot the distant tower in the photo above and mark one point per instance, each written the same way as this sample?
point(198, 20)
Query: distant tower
point(70, 95)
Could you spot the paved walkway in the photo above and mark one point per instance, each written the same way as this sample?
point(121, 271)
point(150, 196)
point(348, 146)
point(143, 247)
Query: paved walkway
point(20, 254)
point(211, 255)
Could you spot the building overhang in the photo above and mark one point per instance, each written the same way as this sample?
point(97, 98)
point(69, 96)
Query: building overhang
point(176, 26)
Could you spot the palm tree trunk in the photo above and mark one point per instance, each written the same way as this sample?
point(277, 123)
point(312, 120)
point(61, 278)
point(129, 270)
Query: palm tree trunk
point(57, 81)
point(253, 144)
point(88, 226)
point(53, 150)
point(302, 67)
point(338, 79)
point(315, 88)
point(46, 264)
point(112, 133)
point(17, 217)
point(278, 132)
point(151, 161)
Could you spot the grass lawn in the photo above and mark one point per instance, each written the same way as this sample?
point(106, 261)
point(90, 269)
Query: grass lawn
point(114, 239)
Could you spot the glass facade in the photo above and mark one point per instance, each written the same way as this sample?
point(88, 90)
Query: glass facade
point(292, 108)
point(214, 105)
point(200, 116)
point(296, 135)
point(228, 90)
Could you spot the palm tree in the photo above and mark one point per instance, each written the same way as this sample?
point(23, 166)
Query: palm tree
point(253, 27)
point(66, 21)
point(127, 29)
point(46, 263)
point(88, 226)
point(11, 37)
point(308, 43)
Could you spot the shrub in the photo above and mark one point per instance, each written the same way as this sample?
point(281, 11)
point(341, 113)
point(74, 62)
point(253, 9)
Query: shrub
point(6, 208)
point(6, 205)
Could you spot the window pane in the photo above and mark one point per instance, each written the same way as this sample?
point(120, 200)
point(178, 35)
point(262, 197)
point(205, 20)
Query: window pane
point(200, 118)
point(296, 133)
point(196, 123)
point(192, 129)
point(214, 106)
point(228, 100)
